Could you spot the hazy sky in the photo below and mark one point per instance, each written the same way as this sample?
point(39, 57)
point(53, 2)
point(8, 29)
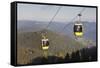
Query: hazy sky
point(46, 12)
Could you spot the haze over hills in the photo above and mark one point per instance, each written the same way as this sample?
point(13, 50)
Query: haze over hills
point(33, 26)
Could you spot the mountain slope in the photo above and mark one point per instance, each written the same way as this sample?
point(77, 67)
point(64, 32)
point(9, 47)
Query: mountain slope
point(29, 45)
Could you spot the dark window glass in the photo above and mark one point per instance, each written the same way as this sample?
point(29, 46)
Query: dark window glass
point(45, 43)
point(77, 28)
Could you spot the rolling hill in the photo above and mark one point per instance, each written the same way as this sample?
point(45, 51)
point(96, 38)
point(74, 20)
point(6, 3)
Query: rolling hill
point(29, 45)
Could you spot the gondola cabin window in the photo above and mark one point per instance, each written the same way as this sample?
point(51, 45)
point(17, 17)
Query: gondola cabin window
point(78, 30)
point(45, 44)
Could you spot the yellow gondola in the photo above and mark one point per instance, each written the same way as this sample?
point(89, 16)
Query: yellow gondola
point(78, 27)
point(78, 30)
point(45, 42)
